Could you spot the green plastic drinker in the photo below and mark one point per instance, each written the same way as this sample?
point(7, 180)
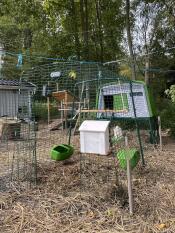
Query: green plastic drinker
point(133, 155)
point(61, 152)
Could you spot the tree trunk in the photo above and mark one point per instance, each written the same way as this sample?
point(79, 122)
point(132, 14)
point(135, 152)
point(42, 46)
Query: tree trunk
point(75, 28)
point(98, 13)
point(27, 38)
point(86, 34)
point(129, 39)
point(94, 39)
point(85, 27)
point(147, 66)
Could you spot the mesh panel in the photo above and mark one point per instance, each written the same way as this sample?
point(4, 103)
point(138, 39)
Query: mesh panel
point(49, 103)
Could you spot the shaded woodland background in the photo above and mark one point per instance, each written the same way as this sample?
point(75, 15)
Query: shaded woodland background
point(137, 35)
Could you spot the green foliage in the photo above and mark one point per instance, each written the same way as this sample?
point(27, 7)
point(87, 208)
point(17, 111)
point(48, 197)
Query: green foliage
point(40, 111)
point(171, 93)
point(167, 114)
point(56, 28)
point(64, 29)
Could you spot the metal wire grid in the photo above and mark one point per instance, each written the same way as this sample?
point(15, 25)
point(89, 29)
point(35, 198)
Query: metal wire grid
point(86, 83)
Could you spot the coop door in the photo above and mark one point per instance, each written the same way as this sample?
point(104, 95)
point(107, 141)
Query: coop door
point(116, 102)
point(121, 102)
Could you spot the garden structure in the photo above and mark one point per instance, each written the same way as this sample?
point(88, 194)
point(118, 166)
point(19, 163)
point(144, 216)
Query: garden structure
point(15, 98)
point(66, 94)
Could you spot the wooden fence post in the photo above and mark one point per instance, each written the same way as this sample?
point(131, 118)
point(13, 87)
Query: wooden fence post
point(160, 133)
point(129, 178)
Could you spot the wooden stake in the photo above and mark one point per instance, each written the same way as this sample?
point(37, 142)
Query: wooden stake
point(160, 133)
point(129, 178)
point(57, 87)
point(48, 107)
point(103, 110)
point(76, 124)
point(66, 112)
point(48, 110)
point(62, 115)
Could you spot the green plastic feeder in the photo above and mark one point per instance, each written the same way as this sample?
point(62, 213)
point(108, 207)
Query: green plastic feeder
point(61, 152)
point(133, 155)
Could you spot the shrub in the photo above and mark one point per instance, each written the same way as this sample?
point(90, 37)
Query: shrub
point(171, 93)
point(167, 114)
point(40, 110)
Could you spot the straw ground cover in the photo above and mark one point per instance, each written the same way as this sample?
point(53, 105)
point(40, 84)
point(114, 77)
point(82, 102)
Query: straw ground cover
point(60, 204)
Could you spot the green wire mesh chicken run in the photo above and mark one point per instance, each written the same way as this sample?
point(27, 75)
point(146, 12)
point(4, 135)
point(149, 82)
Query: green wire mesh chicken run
point(64, 94)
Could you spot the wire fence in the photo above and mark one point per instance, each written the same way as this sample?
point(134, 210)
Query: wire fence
point(46, 107)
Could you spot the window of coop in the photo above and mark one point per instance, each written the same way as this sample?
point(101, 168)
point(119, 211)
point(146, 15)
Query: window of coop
point(117, 102)
point(136, 94)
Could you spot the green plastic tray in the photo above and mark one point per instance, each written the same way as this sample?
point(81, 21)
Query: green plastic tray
point(61, 152)
point(133, 155)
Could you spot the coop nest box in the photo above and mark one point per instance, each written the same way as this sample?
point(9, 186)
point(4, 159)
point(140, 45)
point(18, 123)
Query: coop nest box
point(94, 137)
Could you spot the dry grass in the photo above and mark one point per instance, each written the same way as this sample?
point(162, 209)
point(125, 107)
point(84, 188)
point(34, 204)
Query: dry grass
point(96, 201)
point(58, 204)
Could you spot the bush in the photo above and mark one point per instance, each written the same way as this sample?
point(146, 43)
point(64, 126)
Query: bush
point(40, 111)
point(167, 114)
point(171, 93)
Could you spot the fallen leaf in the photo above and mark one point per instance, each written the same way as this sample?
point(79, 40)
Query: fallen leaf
point(161, 226)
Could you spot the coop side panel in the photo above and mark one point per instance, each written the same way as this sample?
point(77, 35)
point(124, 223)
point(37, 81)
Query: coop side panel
point(139, 100)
